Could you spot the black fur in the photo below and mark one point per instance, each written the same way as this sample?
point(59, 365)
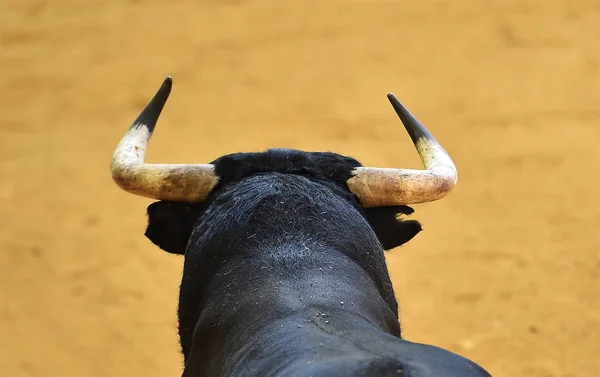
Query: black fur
point(391, 230)
point(284, 274)
point(171, 223)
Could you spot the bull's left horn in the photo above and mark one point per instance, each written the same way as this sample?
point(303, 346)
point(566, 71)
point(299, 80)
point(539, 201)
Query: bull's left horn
point(175, 182)
point(378, 187)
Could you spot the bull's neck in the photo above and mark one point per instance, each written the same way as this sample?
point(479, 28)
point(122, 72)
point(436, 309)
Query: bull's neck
point(303, 298)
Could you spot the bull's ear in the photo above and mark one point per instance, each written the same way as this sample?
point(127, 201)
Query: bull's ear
point(170, 224)
point(392, 230)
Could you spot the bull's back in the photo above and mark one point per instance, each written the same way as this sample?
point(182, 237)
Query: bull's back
point(405, 360)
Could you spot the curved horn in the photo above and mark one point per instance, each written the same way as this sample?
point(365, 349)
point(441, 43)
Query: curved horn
point(377, 187)
point(175, 182)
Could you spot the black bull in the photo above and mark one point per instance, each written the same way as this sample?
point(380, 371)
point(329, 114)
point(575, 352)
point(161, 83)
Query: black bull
point(285, 275)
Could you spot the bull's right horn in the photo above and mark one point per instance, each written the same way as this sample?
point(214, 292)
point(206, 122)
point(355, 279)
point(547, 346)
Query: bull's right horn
point(175, 182)
point(377, 187)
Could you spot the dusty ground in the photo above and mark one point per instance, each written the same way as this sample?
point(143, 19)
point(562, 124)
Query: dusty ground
point(508, 269)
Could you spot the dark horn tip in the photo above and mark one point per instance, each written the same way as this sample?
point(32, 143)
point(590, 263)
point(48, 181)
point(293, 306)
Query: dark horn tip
point(149, 116)
point(166, 86)
point(414, 128)
point(397, 105)
point(394, 101)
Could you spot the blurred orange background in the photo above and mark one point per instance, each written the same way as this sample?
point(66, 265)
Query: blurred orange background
point(507, 271)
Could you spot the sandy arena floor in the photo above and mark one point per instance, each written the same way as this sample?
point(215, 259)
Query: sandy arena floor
point(507, 271)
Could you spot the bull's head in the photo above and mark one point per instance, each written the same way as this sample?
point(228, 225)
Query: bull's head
point(268, 221)
point(192, 183)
